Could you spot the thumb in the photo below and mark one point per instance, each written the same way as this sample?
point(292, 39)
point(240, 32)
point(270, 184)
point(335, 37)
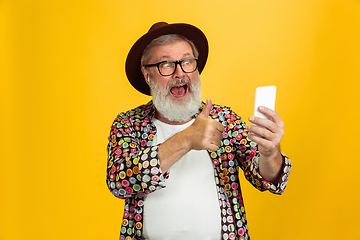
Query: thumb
point(205, 112)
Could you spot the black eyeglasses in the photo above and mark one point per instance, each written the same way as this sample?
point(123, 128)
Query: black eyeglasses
point(167, 68)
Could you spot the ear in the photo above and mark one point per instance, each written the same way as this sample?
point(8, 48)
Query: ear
point(146, 74)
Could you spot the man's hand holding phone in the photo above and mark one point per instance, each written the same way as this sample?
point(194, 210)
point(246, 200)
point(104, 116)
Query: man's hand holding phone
point(267, 133)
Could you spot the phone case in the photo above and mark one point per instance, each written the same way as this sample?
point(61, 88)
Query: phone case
point(264, 96)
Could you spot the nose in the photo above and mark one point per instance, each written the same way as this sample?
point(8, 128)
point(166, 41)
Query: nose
point(179, 73)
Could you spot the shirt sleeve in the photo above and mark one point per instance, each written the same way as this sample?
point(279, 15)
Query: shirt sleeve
point(263, 185)
point(248, 156)
point(132, 166)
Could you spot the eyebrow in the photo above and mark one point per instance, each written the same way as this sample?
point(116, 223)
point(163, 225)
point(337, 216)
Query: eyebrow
point(166, 57)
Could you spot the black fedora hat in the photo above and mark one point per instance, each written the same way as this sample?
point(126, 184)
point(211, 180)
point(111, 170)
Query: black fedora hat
point(133, 65)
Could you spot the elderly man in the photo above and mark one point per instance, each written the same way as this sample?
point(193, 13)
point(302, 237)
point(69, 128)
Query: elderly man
point(175, 160)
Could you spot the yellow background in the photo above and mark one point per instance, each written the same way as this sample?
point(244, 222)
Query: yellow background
point(63, 82)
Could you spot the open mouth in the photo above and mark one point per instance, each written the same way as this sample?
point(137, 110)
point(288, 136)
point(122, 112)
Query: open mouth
point(179, 90)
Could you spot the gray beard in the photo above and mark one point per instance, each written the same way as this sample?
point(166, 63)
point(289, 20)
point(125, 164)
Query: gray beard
point(176, 110)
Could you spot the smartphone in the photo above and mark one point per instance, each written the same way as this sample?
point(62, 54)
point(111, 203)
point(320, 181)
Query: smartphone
point(264, 96)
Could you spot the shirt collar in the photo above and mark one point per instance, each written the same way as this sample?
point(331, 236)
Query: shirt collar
point(149, 110)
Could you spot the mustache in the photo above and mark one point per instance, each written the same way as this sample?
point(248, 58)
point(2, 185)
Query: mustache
point(177, 82)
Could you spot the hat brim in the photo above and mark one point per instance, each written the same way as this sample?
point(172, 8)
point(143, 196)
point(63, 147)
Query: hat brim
point(133, 65)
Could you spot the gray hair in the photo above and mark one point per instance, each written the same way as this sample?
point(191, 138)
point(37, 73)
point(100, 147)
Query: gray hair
point(163, 40)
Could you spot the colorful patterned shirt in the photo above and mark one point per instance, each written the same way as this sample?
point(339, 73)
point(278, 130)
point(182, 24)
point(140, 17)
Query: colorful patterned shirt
point(133, 168)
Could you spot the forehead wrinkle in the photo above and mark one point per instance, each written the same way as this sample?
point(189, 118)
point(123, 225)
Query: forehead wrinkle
point(166, 57)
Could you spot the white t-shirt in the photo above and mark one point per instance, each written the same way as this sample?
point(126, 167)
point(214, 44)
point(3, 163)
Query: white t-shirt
point(188, 207)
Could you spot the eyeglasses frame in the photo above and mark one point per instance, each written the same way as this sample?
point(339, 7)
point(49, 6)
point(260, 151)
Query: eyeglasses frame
point(176, 63)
